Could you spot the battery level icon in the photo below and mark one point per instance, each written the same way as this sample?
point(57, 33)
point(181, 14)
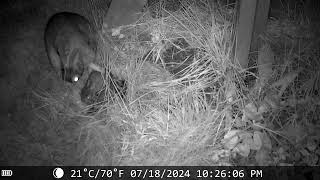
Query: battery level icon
point(6, 173)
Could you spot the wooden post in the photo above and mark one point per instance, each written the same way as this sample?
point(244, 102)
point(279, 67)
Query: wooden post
point(252, 20)
point(123, 12)
point(261, 17)
point(244, 31)
point(260, 23)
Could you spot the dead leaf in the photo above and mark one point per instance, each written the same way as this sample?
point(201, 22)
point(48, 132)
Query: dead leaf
point(263, 108)
point(262, 157)
point(243, 149)
point(231, 133)
point(244, 136)
point(312, 145)
point(251, 112)
point(248, 141)
point(257, 142)
point(231, 139)
point(266, 141)
point(238, 123)
point(116, 31)
point(297, 156)
point(220, 154)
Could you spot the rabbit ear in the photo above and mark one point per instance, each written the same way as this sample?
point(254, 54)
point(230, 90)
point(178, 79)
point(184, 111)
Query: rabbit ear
point(55, 60)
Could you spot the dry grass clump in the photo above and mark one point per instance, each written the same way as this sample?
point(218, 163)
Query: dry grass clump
point(175, 66)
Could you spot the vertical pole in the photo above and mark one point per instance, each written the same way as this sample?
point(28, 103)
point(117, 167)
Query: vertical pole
point(244, 31)
point(260, 22)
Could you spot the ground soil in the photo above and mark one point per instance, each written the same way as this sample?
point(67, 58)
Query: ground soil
point(25, 68)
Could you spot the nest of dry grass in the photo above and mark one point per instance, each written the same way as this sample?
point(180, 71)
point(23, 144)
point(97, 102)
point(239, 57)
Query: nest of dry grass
point(176, 66)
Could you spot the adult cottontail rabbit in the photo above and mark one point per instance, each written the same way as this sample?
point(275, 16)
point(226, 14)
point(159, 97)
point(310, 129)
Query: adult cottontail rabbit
point(71, 45)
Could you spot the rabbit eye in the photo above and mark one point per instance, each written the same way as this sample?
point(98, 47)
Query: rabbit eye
point(75, 78)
